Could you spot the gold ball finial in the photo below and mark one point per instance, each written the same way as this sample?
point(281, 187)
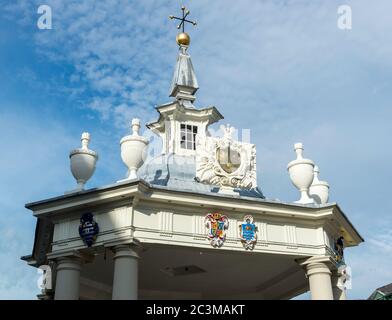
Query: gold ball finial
point(183, 39)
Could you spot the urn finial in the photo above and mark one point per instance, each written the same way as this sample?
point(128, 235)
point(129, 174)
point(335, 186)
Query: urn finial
point(301, 174)
point(299, 149)
point(319, 190)
point(83, 161)
point(135, 126)
point(85, 140)
point(133, 150)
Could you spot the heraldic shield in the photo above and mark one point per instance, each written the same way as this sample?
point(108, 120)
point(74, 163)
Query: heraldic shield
point(88, 229)
point(248, 233)
point(216, 224)
point(228, 159)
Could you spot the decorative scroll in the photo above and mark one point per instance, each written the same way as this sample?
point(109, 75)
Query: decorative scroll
point(225, 162)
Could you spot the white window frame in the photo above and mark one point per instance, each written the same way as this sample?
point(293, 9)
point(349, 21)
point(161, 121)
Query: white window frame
point(180, 149)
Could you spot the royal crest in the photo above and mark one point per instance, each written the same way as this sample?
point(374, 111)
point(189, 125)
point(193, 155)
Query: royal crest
point(248, 233)
point(88, 229)
point(217, 224)
point(225, 161)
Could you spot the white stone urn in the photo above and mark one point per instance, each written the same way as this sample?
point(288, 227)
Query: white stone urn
point(301, 174)
point(133, 150)
point(319, 190)
point(83, 161)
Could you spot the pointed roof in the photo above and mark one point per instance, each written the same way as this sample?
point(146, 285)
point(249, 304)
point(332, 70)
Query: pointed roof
point(184, 84)
point(178, 109)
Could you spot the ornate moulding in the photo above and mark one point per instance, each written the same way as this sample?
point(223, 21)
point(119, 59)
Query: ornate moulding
point(225, 162)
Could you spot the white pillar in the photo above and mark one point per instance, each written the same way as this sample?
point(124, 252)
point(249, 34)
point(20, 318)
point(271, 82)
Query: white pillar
point(67, 278)
point(125, 280)
point(319, 281)
point(339, 292)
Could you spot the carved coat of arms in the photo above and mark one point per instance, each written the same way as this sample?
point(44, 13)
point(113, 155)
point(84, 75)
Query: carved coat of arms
point(216, 224)
point(248, 233)
point(88, 229)
point(225, 161)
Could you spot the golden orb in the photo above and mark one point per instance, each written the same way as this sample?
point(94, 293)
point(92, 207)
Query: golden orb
point(183, 39)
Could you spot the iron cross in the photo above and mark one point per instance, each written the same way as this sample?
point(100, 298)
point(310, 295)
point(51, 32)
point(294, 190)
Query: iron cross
point(185, 13)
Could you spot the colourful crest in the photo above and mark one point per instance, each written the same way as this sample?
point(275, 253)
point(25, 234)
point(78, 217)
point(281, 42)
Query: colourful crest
point(216, 225)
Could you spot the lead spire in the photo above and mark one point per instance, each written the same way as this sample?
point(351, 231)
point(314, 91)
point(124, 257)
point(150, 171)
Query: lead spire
point(184, 84)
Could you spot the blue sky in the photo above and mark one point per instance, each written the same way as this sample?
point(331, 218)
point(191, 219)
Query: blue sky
point(280, 68)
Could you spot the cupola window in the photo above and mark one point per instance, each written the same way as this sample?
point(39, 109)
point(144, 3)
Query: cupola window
point(188, 136)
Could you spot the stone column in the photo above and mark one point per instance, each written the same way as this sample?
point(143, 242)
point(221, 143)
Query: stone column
point(67, 278)
point(125, 280)
point(319, 281)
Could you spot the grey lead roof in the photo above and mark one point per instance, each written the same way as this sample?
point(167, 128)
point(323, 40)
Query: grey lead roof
point(178, 172)
point(184, 74)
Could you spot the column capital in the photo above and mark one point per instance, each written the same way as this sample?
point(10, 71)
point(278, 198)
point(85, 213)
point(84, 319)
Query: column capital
point(72, 254)
point(69, 263)
point(125, 250)
point(317, 262)
point(317, 267)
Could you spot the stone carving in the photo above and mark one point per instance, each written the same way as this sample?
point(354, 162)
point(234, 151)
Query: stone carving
point(344, 276)
point(134, 150)
point(319, 190)
point(83, 161)
point(301, 174)
point(225, 161)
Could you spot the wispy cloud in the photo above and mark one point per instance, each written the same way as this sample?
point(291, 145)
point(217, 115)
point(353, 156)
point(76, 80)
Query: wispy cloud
point(118, 51)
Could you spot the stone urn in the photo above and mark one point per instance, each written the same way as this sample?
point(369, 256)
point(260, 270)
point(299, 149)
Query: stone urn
point(83, 161)
point(319, 190)
point(301, 174)
point(133, 150)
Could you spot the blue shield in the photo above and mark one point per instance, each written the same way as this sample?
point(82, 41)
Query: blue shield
point(248, 231)
point(88, 229)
